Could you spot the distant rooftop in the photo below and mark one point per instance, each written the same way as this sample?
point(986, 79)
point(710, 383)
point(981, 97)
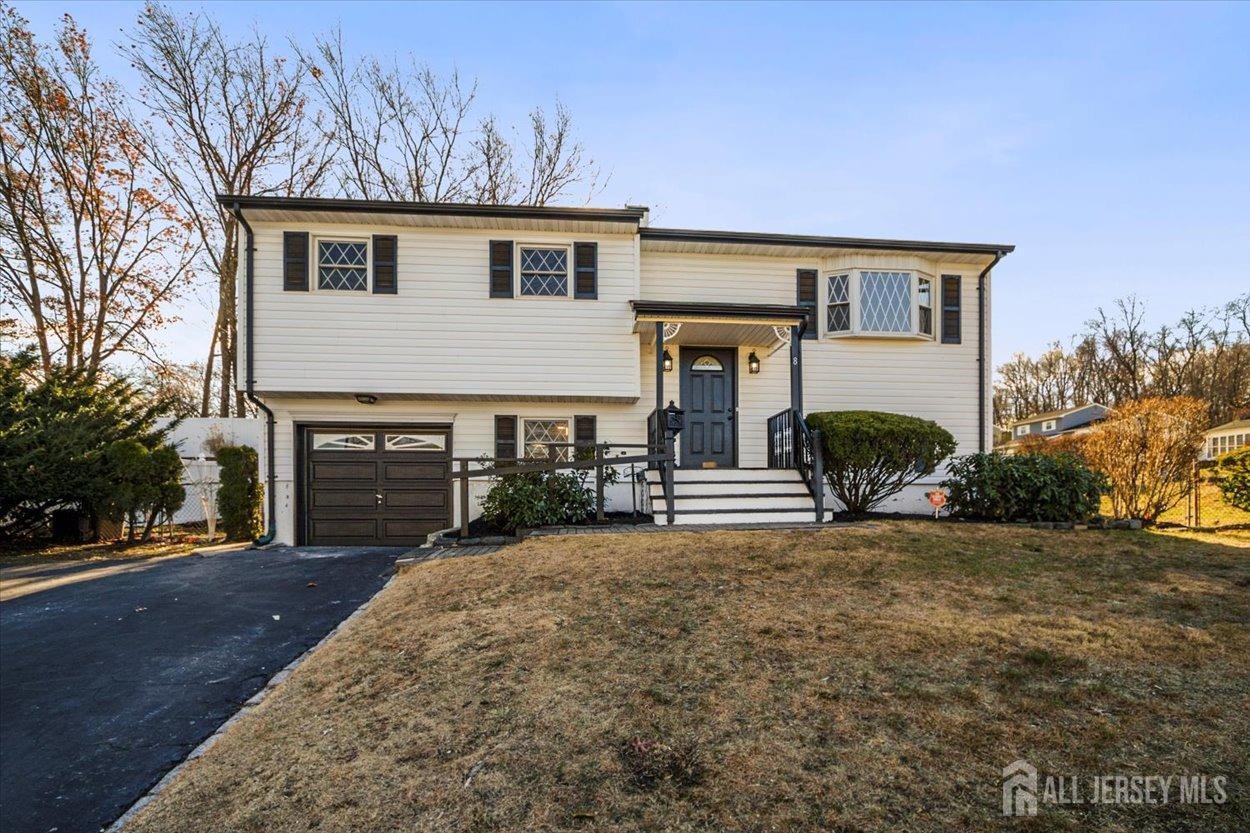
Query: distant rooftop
point(1056, 414)
point(1237, 423)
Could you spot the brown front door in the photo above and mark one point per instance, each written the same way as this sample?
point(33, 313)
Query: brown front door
point(709, 395)
point(368, 485)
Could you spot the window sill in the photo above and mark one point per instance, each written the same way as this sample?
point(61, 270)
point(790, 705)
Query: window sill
point(878, 336)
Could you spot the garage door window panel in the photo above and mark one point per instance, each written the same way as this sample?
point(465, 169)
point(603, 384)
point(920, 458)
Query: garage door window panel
point(343, 442)
point(416, 442)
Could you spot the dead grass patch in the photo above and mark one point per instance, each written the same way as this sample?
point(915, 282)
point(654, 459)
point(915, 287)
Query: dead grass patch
point(845, 679)
point(51, 553)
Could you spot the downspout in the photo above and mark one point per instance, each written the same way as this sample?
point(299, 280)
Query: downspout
point(980, 350)
point(250, 392)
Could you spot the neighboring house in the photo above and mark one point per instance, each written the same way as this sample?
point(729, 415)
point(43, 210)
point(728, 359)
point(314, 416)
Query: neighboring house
point(1225, 438)
point(387, 338)
point(1051, 424)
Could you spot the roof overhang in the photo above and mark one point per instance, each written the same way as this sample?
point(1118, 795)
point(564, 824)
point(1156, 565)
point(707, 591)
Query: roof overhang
point(718, 325)
point(701, 241)
point(437, 215)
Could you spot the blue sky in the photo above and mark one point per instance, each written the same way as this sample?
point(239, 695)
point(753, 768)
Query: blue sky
point(1109, 142)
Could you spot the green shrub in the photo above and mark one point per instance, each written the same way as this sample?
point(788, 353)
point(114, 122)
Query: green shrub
point(533, 499)
point(871, 455)
point(238, 496)
point(1023, 487)
point(55, 429)
point(1232, 473)
point(143, 484)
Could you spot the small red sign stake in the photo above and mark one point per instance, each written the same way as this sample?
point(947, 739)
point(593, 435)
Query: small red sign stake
point(938, 499)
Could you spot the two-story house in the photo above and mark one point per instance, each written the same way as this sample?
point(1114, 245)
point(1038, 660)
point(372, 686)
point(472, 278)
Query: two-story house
point(1065, 422)
point(382, 339)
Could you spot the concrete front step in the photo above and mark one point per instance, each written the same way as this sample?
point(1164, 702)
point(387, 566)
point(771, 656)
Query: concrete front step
point(743, 488)
point(724, 475)
point(729, 496)
point(748, 503)
point(764, 517)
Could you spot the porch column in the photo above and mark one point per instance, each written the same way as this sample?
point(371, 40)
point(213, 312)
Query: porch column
point(796, 368)
point(659, 383)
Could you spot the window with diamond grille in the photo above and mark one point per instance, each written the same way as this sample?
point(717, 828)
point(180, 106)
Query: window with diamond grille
point(342, 265)
point(885, 302)
point(924, 297)
point(839, 303)
point(540, 432)
point(544, 271)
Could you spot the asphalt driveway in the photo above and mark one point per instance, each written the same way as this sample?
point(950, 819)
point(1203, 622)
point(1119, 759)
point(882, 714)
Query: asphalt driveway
point(110, 677)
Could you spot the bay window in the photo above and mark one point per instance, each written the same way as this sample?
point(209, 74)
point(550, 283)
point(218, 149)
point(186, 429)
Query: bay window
point(879, 303)
point(839, 303)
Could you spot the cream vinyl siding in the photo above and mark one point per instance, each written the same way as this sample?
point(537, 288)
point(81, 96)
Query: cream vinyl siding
point(916, 376)
point(442, 334)
point(473, 434)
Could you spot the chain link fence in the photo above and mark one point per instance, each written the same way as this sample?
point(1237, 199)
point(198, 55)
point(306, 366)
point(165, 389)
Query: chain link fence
point(196, 519)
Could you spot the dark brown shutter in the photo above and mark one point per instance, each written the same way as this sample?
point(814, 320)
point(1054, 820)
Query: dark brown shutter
point(806, 279)
point(295, 261)
point(586, 271)
point(584, 431)
point(385, 264)
point(501, 268)
point(505, 439)
point(951, 301)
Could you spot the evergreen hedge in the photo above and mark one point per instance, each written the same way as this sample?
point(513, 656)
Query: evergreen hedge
point(239, 495)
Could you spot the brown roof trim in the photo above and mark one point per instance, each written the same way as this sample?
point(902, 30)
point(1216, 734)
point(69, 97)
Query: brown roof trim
point(546, 212)
point(763, 239)
point(744, 311)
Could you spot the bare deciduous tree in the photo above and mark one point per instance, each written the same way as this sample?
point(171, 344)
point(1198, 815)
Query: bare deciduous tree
point(402, 132)
point(177, 385)
point(91, 245)
point(1118, 359)
point(233, 120)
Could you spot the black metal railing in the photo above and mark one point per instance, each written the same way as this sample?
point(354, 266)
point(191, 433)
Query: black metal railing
point(598, 456)
point(793, 445)
point(660, 439)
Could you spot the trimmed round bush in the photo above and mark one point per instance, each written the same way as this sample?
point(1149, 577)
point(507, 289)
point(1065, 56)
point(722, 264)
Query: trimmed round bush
point(871, 455)
point(1023, 487)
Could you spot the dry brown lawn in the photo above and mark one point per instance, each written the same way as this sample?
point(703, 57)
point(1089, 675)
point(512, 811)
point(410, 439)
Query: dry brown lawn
point(875, 677)
point(19, 556)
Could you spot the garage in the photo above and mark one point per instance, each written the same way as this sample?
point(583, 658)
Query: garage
point(363, 485)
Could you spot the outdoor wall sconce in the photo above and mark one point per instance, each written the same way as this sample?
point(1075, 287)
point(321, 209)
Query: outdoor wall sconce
point(753, 363)
point(366, 398)
point(668, 362)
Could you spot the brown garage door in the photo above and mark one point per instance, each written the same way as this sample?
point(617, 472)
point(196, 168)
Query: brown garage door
point(375, 485)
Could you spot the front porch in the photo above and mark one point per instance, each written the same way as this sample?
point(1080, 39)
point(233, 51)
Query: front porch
point(743, 451)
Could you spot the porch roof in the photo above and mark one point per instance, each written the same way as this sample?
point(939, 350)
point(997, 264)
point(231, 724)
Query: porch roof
point(718, 324)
